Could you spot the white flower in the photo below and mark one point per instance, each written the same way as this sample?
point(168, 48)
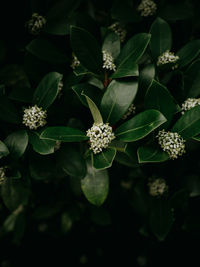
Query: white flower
point(57, 145)
point(108, 61)
point(2, 174)
point(172, 143)
point(167, 57)
point(190, 103)
point(100, 136)
point(147, 8)
point(34, 117)
point(75, 62)
point(131, 110)
point(157, 187)
point(36, 23)
point(119, 30)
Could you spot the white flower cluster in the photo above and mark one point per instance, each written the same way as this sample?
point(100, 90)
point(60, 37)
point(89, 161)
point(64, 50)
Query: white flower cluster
point(119, 30)
point(189, 103)
point(147, 8)
point(36, 23)
point(34, 117)
point(108, 61)
point(172, 143)
point(2, 174)
point(157, 187)
point(100, 136)
point(167, 57)
point(131, 110)
point(75, 62)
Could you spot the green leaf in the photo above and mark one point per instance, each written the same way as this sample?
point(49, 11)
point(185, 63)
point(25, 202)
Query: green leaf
point(17, 143)
point(133, 49)
point(94, 110)
point(41, 146)
point(151, 154)
point(117, 99)
point(111, 44)
point(71, 161)
point(3, 150)
point(147, 74)
point(188, 53)
point(104, 159)
point(62, 133)
point(47, 90)
point(128, 69)
point(95, 185)
point(189, 123)
point(161, 219)
point(192, 80)
point(8, 112)
point(93, 92)
point(47, 51)
point(158, 97)
point(118, 145)
point(128, 157)
point(87, 49)
point(161, 37)
point(140, 125)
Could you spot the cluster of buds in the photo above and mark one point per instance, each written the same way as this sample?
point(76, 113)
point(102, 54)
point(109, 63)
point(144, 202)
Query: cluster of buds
point(108, 61)
point(75, 62)
point(100, 136)
point(34, 117)
point(36, 24)
point(131, 110)
point(166, 58)
point(157, 187)
point(172, 143)
point(189, 103)
point(147, 8)
point(2, 174)
point(119, 30)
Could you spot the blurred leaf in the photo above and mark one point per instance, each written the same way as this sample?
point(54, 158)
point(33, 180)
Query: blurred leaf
point(94, 110)
point(104, 159)
point(147, 74)
point(117, 99)
point(140, 125)
point(17, 143)
point(118, 145)
point(62, 133)
point(111, 44)
point(188, 53)
point(87, 49)
point(192, 80)
point(95, 185)
point(161, 37)
point(44, 212)
point(3, 150)
point(192, 184)
point(41, 146)
point(148, 154)
point(66, 222)
point(8, 112)
point(47, 90)
point(176, 11)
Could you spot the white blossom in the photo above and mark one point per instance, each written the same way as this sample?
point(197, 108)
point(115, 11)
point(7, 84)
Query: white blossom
point(75, 62)
point(131, 110)
point(108, 61)
point(34, 117)
point(36, 23)
point(167, 57)
point(2, 174)
point(147, 8)
point(172, 143)
point(119, 30)
point(100, 136)
point(189, 103)
point(157, 187)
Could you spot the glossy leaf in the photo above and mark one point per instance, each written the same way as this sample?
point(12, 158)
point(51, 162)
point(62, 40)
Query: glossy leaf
point(111, 44)
point(104, 159)
point(95, 185)
point(94, 110)
point(62, 133)
point(17, 143)
point(188, 53)
point(3, 150)
point(87, 49)
point(8, 112)
point(151, 154)
point(188, 125)
point(192, 80)
point(158, 97)
point(47, 90)
point(41, 146)
point(71, 161)
point(147, 74)
point(117, 99)
point(140, 126)
point(128, 69)
point(161, 37)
